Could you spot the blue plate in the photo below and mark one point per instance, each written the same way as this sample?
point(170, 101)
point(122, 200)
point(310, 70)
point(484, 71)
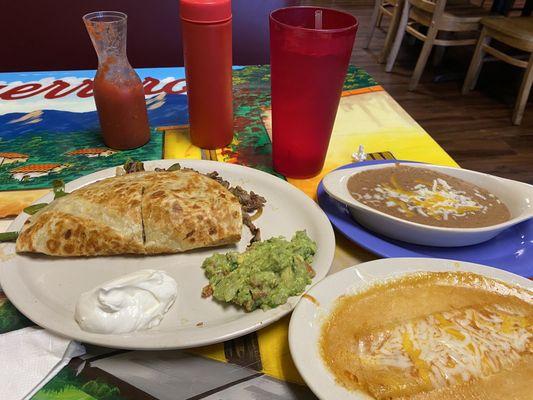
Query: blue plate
point(511, 250)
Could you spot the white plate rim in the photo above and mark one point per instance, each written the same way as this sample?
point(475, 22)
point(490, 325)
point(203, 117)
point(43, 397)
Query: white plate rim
point(307, 318)
point(29, 306)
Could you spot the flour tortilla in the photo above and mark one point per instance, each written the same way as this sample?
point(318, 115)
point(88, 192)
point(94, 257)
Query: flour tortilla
point(138, 213)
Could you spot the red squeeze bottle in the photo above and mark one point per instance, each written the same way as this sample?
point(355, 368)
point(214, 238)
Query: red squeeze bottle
point(206, 30)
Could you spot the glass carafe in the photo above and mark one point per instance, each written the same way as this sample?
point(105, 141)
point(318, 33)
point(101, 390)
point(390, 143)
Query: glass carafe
point(118, 90)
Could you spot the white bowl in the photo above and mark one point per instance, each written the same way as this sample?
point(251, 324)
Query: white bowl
point(517, 196)
point(314, 310)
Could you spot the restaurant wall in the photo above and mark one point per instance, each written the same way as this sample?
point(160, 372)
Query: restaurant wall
point(39, 35)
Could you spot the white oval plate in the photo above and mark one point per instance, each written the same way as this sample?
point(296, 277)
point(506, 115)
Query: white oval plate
point(307, 319)
point(517, 196)
point(46, 289)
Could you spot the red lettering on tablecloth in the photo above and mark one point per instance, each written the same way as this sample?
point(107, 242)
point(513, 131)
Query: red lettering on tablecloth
point(21, 91)
point(54, 90)
point(86, 91)
point(60, 88)
point(150, 86)
point(168, 88)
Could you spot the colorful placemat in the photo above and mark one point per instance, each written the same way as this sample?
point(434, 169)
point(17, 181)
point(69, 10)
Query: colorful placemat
point(49, 130)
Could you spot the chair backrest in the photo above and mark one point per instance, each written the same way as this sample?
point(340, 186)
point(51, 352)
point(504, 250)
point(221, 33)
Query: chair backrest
point(433, 7)
point(430, 6)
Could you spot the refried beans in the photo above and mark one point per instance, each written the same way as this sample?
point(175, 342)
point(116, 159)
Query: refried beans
point(427, 197)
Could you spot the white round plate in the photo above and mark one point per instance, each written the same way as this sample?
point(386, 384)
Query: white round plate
point(307, 319)
point(46, 289)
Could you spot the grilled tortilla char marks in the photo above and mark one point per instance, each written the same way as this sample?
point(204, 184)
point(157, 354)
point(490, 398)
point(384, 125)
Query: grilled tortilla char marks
point(107, 217)
point(101, 218)
point(250, 202)
point(190, 212)
point(67, 235)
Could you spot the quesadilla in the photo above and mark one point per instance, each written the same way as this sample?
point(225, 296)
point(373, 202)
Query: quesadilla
point(138, 213)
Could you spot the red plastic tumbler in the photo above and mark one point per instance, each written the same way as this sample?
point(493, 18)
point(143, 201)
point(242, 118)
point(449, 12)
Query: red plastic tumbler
point(310, 50)
point(206, 29)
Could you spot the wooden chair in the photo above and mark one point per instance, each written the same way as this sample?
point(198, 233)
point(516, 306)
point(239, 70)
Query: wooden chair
point(393, 10)
point(514, 32)
point(438, 18)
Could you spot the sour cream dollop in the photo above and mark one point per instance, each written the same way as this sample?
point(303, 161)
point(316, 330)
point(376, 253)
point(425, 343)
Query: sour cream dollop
point(133, 302)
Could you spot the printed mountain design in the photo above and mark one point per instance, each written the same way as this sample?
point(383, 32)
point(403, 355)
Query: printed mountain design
point(43, 145)
point(162, 110)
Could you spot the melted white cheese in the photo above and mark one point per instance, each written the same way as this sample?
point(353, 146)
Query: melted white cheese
point(452, 347)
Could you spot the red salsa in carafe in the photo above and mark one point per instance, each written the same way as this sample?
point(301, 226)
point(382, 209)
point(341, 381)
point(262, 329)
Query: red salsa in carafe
point(118, 90)
point(122, 113)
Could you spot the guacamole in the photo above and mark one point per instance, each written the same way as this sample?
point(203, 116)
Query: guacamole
point(265, 275)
